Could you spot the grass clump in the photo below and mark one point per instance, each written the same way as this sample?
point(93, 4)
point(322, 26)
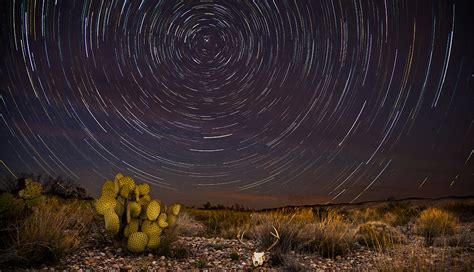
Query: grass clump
point(330, 237)
point(201, 263)
point(180, 252)
point(434, 222)
point(378, 235)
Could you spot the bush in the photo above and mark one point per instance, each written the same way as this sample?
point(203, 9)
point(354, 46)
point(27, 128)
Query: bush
point(379, 235)
point(434, 223)
point(10, 206)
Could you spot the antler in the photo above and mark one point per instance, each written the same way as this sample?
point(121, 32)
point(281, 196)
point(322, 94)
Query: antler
point(240, 237)
point(277, 236)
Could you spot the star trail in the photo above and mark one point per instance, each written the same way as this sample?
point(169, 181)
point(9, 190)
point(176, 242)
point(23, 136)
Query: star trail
point(265, 103)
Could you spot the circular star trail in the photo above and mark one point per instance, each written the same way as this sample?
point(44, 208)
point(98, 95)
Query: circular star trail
point(263, 102)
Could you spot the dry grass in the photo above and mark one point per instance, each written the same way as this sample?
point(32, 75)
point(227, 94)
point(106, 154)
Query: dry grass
point(304, 231)
point(417, 257)
point(222, 223)
point(51, 229)
point(379, 235)
point(434, 222)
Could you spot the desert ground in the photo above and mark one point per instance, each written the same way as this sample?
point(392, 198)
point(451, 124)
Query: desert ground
point(60, 233)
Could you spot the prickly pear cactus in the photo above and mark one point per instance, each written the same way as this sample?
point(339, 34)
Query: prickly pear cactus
point(32, 194)
point(133, 215)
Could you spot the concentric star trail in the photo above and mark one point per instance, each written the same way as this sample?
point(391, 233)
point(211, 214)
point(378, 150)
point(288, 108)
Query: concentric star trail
point(302, 101)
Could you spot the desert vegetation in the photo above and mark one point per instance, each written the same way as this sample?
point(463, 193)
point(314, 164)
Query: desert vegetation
point(52, 228)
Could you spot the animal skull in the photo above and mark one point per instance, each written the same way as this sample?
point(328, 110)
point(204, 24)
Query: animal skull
point(258, 258)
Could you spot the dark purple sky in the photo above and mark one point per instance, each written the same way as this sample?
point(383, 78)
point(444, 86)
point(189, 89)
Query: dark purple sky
point(263, 103)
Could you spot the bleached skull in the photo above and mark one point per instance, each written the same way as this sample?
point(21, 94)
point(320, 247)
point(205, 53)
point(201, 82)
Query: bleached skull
point(258, 258)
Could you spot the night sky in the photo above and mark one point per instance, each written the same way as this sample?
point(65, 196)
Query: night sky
point(262, 103)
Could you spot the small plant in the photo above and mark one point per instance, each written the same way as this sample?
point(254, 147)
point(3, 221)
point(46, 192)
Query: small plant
point(217, 246)
point(180, 252)
point(201, 263)
point(433, 223)
point(130, 213)
point(378, 235)
point(234, 256)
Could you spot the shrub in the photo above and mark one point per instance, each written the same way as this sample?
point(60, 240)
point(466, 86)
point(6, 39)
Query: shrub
point(433, 223)
point(379, 235)
point(10, 206)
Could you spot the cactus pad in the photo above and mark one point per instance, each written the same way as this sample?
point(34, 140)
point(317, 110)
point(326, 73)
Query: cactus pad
point(112, 222)
point(153, 241)
point(150, 228)
point(144, 189)
point(175, 208)
point(103, 204)
point(132, 227)
point(118, 176)
point(137, 242)
point(162, 221)
point(153, 210)
point(135, 209)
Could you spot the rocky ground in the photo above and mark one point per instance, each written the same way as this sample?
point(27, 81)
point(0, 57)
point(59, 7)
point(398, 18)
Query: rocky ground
point(192, 253)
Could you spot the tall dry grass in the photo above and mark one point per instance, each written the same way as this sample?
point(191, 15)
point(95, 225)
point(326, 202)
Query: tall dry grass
point(222, 223)
point(434, 222)
point(304, 231)
point(53, 228)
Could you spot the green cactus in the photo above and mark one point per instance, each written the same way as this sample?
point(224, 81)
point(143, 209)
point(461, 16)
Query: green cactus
point(130, 213)
point(33, 189)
